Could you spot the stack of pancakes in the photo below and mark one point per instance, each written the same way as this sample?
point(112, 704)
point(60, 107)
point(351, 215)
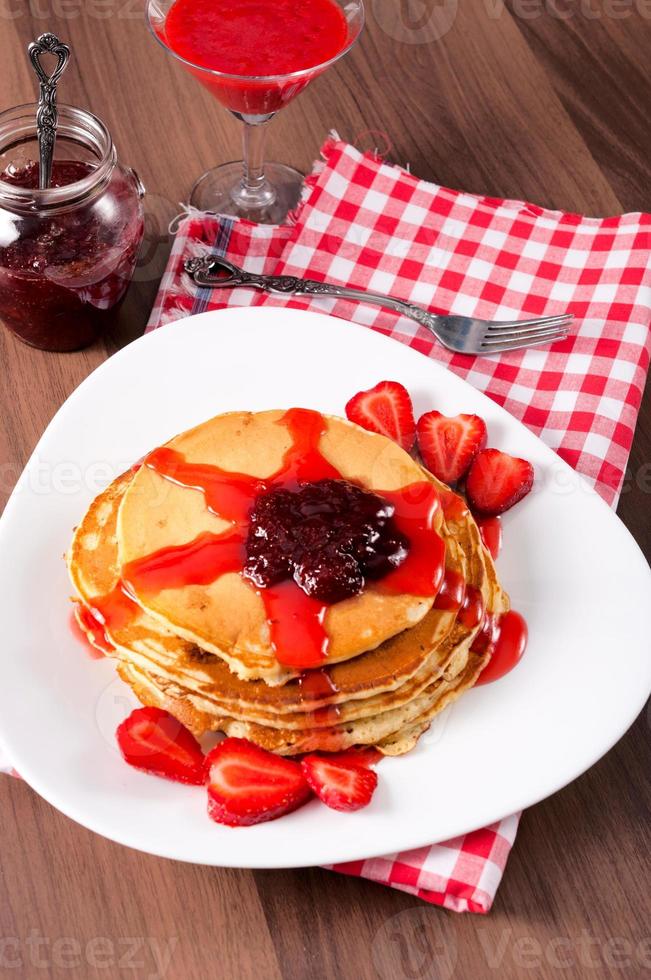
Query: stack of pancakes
point(204, 652)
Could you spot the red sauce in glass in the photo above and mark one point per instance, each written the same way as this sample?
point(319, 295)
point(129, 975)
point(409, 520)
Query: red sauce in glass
point(63, 273)
point(255, 38)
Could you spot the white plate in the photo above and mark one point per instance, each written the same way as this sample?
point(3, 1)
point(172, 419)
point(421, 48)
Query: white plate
point(571, 567)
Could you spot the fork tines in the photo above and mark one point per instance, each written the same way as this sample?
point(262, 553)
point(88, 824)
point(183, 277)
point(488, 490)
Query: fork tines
point(526, 333)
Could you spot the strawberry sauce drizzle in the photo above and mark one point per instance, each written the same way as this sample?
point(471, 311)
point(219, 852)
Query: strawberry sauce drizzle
point(317, 685)
point(228, 495)
point(452, 593)
point(92, 622)
point(296, 624)
point(502, 636)
point(115, 610)
point(454, 506)
point(90, 632)
point(198, 562)
point(490, 529)
point(507, 645)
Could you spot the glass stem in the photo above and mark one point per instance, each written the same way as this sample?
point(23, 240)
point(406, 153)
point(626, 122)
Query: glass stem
point(254, 139)
point(254, 191)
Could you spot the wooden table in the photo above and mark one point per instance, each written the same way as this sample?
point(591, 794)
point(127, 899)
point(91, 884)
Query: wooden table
point(529, 99)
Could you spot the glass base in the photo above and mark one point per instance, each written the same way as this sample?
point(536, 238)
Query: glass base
point(221, 190)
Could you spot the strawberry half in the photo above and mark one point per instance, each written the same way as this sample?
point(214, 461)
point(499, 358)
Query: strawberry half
point(248, 785)
point(339, 784)
point(385, 409)
point(448, 445)
point(496, 481)
point(153, 740)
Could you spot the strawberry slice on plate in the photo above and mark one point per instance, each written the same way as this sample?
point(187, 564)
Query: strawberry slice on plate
point(449, 444)
point(387, 410)
point(153, 740)
point(248, 785)
point(496, 481)
point(339, 784)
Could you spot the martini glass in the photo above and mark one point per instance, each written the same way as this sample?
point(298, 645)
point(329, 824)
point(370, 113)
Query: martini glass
point(252, 189)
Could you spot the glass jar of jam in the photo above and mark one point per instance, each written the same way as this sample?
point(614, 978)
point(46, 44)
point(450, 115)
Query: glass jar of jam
point(67, 254)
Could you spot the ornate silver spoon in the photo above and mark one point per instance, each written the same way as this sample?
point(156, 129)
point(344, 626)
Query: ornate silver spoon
point(47, 115)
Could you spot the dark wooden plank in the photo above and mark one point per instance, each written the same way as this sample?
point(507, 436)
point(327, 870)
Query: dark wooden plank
point(543, 107)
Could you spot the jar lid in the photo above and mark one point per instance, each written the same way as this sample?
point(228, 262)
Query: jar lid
point(81, 137)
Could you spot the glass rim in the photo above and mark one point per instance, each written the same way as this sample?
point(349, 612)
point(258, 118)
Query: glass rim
point(301, 73)
point(74, 123)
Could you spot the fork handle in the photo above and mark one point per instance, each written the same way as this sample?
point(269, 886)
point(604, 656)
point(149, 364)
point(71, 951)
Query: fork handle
point(204, 271)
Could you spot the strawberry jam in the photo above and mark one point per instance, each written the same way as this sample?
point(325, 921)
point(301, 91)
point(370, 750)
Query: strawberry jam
point(329, 536)
point(64, 269)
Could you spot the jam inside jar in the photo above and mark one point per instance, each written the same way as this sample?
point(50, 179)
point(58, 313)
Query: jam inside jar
point(67, 254)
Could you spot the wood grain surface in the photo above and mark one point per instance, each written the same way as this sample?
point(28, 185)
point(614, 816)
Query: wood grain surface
point(541, 99)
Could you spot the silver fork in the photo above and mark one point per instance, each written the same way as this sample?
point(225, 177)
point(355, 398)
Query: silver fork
point(463, 334)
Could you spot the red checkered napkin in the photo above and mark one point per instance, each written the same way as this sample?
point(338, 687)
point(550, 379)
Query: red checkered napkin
point(366, 224)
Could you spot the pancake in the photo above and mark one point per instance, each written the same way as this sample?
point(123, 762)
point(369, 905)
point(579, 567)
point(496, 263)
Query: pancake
point(393, 732)
point(227, 617)
point(384, 697)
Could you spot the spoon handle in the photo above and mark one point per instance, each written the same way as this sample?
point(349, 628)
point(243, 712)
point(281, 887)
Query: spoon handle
point(47, 114)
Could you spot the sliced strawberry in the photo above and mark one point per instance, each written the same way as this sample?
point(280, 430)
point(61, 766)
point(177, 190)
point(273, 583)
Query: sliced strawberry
point(248, 785)
point(153, 740)
point(340, 785)
point(496, 481)
point(386, 409)
point(491, 534)
point(448, 445)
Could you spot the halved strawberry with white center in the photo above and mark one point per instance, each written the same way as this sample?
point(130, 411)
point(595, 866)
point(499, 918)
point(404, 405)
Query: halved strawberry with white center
point(153, 740)
point(339, 784)
point(448, 445)
point(248, 785)
point(385, 409)
point(496, 481)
